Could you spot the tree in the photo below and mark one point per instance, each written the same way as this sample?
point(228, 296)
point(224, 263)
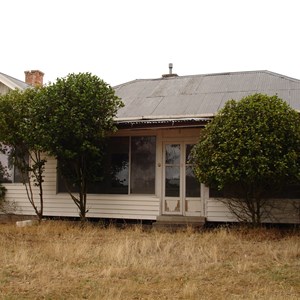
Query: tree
point(22, 144)
point(76, 114)
point(2, 188)
point(249, 151)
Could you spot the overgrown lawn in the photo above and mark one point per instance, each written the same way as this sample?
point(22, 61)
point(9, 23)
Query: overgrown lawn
point(60, 260)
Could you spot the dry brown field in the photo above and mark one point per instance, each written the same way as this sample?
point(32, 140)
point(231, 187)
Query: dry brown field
point(61, 260)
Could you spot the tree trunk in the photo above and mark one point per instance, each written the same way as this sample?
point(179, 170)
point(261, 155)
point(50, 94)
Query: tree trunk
point(83, 190)
point(40, 184)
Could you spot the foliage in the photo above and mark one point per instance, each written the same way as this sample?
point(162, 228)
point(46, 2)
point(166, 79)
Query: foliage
point(75, 115)
point(249, 150)
point(18, 134)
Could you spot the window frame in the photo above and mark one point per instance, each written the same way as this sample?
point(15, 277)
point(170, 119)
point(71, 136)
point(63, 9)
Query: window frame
point(130, 165)
point(129, 136)
point(11, 170)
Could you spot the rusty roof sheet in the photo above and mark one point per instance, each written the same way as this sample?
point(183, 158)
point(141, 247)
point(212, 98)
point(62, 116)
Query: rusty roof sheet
point(201, 95)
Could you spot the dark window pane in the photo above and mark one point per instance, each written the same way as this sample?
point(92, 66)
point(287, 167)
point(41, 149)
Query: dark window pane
point(113, 174)
point(188, 150)
point(215, 193)
point(291, 191)
point(9, 172)
point(192, 185)
point(115, 171)
point(172, 181)
point(18, 173)
point(6, 173)
point(18, 177)
point(172, 154)
point(61, 187)
point(142, 177)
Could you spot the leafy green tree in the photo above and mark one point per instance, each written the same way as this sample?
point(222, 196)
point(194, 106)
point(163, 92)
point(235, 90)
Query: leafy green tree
point(76, 114)
point(18, 134)
point(250, 150)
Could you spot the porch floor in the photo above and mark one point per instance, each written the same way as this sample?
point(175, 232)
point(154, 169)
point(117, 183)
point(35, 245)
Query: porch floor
point(178, 222)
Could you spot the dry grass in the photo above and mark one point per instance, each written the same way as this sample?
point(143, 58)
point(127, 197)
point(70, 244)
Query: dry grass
point(57, 260)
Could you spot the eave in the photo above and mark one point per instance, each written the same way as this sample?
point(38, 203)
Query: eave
point(162, 122)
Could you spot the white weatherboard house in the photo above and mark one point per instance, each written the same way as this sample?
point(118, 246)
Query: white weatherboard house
point(148, 156)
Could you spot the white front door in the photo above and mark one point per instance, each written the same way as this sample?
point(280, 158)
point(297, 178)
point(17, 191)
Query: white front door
point(181, 190)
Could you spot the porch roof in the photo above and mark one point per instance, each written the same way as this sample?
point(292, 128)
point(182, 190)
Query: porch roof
point(198, 95)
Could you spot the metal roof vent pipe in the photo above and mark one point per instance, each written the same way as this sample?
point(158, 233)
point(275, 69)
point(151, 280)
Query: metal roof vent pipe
point(171, 74)
point(170, 68)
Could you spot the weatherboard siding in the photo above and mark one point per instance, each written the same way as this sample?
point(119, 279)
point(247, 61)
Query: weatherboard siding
point(285, 211)
point(3, 89)
point(99, 206)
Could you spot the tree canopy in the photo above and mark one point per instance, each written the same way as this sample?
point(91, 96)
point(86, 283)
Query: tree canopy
point(75, 116)
point(20, 141)
point(251, 148)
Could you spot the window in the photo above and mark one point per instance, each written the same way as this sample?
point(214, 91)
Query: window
point(8, 173)
point(115, 173)
point(288, 191)
point(142, 179)
point(128, 167)
point(192, 185)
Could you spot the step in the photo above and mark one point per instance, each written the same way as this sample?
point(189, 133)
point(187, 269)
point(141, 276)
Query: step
point(178, 222)
point(180, 219)
point(176, 227)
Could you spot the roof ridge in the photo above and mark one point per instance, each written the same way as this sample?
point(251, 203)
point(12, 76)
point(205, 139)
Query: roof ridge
point(282, 76)
point(131, 81)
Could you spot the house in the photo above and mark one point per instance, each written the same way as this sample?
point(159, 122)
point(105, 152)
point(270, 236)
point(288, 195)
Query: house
point(148, 156)
point(8, 83)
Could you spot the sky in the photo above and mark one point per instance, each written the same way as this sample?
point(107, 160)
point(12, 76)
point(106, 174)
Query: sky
point(124, 40)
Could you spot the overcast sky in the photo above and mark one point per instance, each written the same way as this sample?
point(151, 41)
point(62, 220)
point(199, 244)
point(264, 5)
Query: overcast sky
point(123, 40)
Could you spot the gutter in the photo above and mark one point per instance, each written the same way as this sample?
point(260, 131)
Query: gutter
point(165, 117)
point(162, 122)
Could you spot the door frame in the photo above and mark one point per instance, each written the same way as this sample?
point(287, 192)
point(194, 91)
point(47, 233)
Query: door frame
point(182, 185)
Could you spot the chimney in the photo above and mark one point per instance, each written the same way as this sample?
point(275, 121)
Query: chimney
point(171, 74)
point(34, 77)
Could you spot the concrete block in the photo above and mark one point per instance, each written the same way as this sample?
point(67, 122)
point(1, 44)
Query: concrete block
point(26, 223)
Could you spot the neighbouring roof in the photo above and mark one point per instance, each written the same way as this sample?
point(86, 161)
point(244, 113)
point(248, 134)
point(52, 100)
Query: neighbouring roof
point(198, 96)
point(12, 83)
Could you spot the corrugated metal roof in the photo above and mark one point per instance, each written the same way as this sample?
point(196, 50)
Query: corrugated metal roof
point(12, 82)
point(201, 94)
